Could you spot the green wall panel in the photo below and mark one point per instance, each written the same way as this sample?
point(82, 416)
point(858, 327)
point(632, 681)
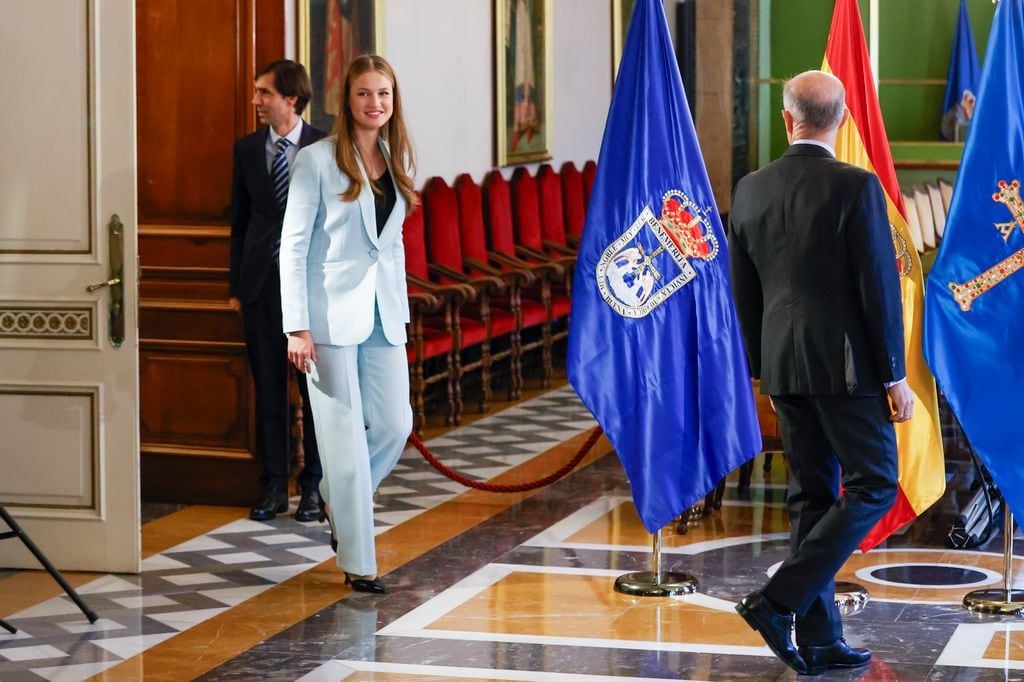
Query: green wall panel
point(911, 111)
point(915, 39)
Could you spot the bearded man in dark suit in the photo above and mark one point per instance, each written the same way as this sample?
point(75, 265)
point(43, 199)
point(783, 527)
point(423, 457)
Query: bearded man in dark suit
point(818, 295)
point(259, 191)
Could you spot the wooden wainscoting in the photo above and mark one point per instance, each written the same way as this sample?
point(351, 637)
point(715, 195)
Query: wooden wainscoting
point(197, 416)
point(195, 64)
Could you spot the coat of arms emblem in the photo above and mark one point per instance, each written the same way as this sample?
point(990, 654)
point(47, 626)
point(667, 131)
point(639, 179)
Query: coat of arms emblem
point(650, 261)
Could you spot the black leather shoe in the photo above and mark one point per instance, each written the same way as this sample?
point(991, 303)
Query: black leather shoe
point(372, 585)
point(776, 629)
point(272, 504)
point(838, 654)
point(309, 506)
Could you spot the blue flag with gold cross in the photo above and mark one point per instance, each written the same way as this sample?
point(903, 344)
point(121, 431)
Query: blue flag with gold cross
point(655, 350)
point(974, 298)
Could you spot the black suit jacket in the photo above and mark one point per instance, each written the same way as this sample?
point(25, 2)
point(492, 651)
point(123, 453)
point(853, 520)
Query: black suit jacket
point(255, 216)
point(814, 277)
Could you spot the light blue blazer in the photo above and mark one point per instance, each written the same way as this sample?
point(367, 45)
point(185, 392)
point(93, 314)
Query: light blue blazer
point(334, 267)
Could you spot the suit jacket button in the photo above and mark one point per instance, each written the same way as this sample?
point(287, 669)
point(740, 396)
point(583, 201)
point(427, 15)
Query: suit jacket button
point(373, 253)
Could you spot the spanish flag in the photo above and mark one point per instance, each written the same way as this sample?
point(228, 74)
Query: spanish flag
point(862, 142)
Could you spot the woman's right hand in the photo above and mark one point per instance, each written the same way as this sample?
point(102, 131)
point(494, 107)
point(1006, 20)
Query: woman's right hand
point(301, 350)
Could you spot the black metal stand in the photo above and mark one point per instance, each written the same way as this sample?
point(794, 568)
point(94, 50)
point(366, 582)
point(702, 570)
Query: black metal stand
point(16, 531)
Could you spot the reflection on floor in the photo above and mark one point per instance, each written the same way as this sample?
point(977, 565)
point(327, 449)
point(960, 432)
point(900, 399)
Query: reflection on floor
point(493, 587)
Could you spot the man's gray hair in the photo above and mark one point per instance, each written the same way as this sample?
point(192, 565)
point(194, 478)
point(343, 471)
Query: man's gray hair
point(817, 108)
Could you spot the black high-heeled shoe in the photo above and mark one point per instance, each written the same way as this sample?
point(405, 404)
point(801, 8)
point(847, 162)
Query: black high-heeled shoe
point(325, 517)
point(372, 585)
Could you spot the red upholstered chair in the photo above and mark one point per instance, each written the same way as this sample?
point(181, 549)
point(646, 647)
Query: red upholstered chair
point(573, 203)
point(552, 212)
point(489, 313)
point(446, 322)
point(519, 276)
point(551, 289)
point(589, 171)
point(427, 343)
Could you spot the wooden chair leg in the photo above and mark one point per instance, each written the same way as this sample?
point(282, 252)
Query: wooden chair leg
point(546, 356)
point(485, 375)
point(485, 355)
point(516, 366)
point(419, 387)
point(516, 340)
point(454, 388)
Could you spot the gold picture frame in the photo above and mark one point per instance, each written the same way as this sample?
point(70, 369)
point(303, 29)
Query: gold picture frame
point(622, 12)
point(332, 32)
point(523, 74)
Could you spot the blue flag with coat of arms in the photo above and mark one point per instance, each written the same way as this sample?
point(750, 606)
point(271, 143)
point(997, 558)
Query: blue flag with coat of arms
point(962, 79)
point(655, 350)
point(974, 297)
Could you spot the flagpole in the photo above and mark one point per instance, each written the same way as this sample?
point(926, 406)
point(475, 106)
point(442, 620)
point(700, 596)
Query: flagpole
point(1006, 600)
point(656, 582)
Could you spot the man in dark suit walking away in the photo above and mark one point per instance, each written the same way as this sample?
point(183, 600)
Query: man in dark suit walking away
point(259, 192)
point(818, 295)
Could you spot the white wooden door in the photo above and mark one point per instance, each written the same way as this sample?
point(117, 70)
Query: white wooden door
point(69, 416)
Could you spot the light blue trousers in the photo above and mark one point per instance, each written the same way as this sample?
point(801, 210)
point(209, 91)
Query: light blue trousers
point(360, 400)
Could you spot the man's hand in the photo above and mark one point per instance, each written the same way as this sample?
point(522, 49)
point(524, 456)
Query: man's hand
point(235, 304)
point(301, 350)
point(901, 398)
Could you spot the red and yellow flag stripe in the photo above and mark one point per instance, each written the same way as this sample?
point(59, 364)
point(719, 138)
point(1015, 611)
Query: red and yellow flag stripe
point(862, 141)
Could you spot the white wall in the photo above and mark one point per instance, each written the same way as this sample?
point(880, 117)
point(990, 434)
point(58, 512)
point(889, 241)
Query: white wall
point(443, 54)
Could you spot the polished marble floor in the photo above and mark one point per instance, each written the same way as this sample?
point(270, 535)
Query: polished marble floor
point(485, 586)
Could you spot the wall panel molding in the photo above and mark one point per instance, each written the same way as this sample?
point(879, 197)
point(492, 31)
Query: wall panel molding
point(51, 459)
point(29, 224)
point(27, 320)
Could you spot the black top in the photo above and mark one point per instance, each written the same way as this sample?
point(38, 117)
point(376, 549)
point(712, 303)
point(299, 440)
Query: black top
point(384, 199)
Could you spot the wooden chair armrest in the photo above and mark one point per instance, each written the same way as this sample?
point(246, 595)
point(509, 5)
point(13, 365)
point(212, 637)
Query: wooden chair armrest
point(544, 270)
point(559, 248)
point(421, 302)
point(481, 283)
point(455, 294)
point(513, 278)
point(557, 265)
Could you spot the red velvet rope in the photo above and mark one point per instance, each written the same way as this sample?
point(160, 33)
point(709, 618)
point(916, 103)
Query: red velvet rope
point(514, 488)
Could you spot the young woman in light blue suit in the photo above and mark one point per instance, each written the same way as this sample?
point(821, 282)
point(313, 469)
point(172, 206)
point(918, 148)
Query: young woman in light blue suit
point(345, 303)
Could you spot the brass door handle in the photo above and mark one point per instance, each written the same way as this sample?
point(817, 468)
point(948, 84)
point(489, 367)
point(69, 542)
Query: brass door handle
point(115, 244)
point(109, 283)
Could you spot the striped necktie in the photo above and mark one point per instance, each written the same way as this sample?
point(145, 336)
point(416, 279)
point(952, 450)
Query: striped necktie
point(279, 173)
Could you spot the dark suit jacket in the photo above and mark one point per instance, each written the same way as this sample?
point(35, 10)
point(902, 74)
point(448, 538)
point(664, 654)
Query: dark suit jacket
point(814, 277)
point(255, 216)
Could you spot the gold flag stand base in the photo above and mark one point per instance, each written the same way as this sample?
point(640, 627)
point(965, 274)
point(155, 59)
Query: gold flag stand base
point(1003, 601)
point(656, 583)
point(649, 584)
point(996, 601)
point(851, 598)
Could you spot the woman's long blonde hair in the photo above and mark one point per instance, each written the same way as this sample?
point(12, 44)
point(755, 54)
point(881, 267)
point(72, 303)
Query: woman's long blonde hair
point(394, 132)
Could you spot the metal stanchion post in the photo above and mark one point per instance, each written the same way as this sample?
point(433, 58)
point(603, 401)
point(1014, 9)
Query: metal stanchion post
point(1006, 601)
point(656, 583)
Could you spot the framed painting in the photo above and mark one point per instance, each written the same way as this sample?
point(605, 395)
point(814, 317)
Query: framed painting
point(523, 74)
point(330, 34)
point(622, 12)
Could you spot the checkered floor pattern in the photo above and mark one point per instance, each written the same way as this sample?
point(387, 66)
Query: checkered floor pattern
point(199, 579)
